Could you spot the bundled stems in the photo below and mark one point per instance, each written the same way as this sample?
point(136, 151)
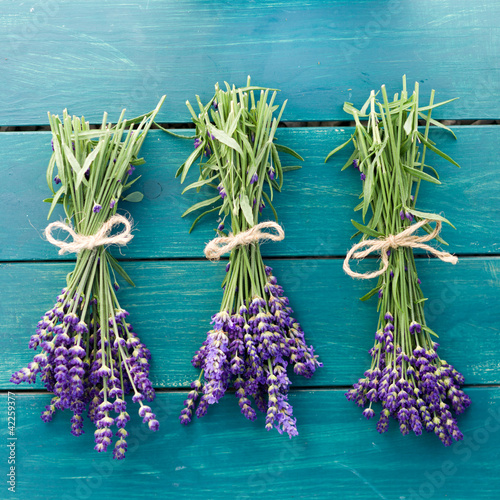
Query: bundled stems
point(90, 357)
point(415, 386)
point(254, 336)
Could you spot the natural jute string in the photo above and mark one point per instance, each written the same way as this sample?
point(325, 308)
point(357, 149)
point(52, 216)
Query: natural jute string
point(404, 239)
point(81, 242)
point(221, 245)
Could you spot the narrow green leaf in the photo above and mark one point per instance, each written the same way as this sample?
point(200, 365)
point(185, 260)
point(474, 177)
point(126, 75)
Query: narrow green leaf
point(71, 159)
point(201, 204)
point(370, 294)
point(437, 124)
point(419, 301)
point(427, 215)
point(338, 148)
point(203, 215)
point(428, 330)
point(88, 161)
point(366, 230)
point(55, 200)
point(119, 269)
point(378, 211)
point(421, 175)
point(174, 134)
point(50, 172)
point(187, 165)
point(129, 184)
point(426, 108)
point(436, 150)
point(270, 205)
point(348, 163)
point(221, 136)
point(285, 149)
point(408, 125)
point(200, 183)
point(247, 209)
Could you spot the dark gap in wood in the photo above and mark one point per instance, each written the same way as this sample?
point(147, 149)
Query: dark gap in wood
point(176, 390)
point(284, 124)
point(269, 257)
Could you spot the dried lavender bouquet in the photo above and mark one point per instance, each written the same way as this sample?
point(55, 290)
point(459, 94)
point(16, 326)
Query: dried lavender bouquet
point(89, 354)
point(415, 386)
point(254, 336)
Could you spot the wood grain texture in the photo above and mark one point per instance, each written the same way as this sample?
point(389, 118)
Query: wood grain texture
point(338, 454)
point(315, 207)
point(172, 304)
point(92, 56)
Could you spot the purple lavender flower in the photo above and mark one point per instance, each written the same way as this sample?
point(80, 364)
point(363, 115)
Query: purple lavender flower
point(362, 176)
point(76, 375)
point(251, 349)
point(419, 397)
point(97, 208)
point(222, 193)
point(415, 327)
point(57, 179)
point(254, 178)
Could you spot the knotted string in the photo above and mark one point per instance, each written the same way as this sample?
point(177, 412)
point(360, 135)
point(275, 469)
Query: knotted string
point(101, 238)
point(404, 239)
point(223, 244)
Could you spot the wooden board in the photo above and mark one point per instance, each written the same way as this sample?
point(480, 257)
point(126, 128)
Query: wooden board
point(94, 56)
point(338, 454)
point(172, 304)
point(326, 197)
point(91, 56)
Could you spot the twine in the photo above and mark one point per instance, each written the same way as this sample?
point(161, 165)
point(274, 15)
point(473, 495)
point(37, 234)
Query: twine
point(404, 239)
point(221, 245)
point(81, 242)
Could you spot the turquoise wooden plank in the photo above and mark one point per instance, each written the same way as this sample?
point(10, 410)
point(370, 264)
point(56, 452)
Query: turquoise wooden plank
point(338, 454)
point(172, 304)
point(326, 197)
point(92, 56)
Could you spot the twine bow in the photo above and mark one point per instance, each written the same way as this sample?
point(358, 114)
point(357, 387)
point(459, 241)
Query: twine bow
point(221, 245)
point(404, 239)
point(81, 242)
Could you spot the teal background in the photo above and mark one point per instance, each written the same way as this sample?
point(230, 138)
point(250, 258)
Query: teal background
point(91, 57)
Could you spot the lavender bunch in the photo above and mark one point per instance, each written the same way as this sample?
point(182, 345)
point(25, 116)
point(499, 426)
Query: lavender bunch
point(415, 386)
point(90, 356)
point(254, 335)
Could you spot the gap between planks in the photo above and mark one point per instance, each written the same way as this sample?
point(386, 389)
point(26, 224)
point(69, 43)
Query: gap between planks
point(270, 257)
point(283, 124)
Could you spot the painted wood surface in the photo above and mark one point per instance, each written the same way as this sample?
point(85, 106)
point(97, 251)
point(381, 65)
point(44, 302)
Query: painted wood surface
point(94, 56)
point(338, 454)
point(91, 56)
point(326, 196)
point(172, 304)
